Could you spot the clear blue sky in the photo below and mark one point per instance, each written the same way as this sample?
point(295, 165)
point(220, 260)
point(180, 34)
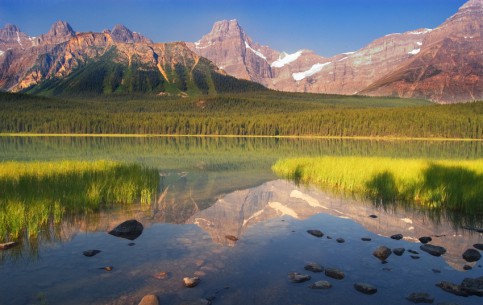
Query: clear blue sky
point(325, 26)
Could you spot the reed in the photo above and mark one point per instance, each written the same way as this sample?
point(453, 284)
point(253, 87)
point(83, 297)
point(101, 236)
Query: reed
point(34, 195)
point(455, 185)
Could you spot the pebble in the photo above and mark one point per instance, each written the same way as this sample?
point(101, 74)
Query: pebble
point(321, 285)
point(340, 240)
point(161, 275)
point(107, 268)
point(365, 288)
point(90, 253)
point(231, 237)
point(415, 257)
point(366, 239)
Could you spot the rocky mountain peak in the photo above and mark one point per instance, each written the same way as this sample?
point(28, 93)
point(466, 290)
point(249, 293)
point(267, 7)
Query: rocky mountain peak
point(472, 3)
point(61, 29)
point(11, 28)
point(226, 28)
point(121, 33)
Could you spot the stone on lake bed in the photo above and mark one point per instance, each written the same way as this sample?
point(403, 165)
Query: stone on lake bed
point(314, 267)
point(398, 251)
point(316, 233)
point(425, 239)
point(397, 236)
point(467, 287)
point(130, 229)
point(471, 255)
point(365, 288)
point(420, 297)
point(382, 253)
point(340, 240)
point(149, 299)
point(334, 273)
point(366, 239)
point(191, 282)
point(296, 277)
point(161, 275)
point(433, 250)
point(90, 253)
point(321, 285)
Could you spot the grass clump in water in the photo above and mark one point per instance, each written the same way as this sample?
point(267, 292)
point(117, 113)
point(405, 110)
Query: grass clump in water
point(455, 185)
point(34, 195)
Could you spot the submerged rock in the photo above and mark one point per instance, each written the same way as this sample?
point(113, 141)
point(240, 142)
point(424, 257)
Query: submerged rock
point(366, 239)
point(420, 297)
point(413, 252)
point(340, 240)
point(130, 229)
point(191, 282)
point(398, 251)
point(365, 288)
point(334, 273)
point(149, 299)
point(90, 253)
point(467, 287)
point(382, 253)
point(433, 250)
point(471, 255)
point(397, 236)
point(231, 237)
point(107, 268)
point(425, 239)
point(321, 285)
point(316, 233)
point(478, 246)
point(296, 277)
point(314, 267)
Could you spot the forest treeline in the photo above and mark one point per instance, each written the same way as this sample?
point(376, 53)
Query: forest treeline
point(268, 114)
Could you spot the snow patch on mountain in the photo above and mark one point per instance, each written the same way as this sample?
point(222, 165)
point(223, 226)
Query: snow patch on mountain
point(414, 52)
point(419, 43)
point(18, 40)
point(255, 51)
point(424, 31)
point(313, 70)
point(1, 52)
point(285, 59)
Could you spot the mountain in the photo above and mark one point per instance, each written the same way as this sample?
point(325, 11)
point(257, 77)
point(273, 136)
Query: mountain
point(442, 64)
point(63, 62)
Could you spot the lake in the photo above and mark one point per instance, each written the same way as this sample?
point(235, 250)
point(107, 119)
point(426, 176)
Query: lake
point(222, 215)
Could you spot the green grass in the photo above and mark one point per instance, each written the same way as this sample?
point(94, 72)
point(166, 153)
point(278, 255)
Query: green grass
point(35, 195)
point(453, 185)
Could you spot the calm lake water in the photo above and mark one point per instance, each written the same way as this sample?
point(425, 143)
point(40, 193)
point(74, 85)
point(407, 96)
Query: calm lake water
point(214, 187)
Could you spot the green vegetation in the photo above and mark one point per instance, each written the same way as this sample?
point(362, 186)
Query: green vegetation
point(36, 195)
point(263, 113)
point(454, 185)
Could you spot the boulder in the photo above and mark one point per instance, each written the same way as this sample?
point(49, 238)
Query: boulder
point(316, 233)
point(130, 229)
point(149, 299)
point(425, 239)
point(321, 285)
point(420, 297)
point(433, 250)
point(365, 288)
point(471, 255)
point(334, 273)
point(382, 253)
point(296, 277)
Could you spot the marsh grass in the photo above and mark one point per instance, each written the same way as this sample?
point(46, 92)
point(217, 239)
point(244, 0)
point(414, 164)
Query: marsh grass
point(448, 185)
point(35, 195)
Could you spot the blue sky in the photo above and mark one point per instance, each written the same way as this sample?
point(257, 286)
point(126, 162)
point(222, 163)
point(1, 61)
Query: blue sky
point(326, 26)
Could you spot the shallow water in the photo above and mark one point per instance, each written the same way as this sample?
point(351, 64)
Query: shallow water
point(213, 188)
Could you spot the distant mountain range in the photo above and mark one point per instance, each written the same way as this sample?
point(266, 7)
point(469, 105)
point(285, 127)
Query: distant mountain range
point(444, 64)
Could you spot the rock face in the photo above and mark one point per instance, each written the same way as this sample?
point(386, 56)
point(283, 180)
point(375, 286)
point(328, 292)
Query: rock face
point(130, 229)
point(443, 64)
point(122, 34)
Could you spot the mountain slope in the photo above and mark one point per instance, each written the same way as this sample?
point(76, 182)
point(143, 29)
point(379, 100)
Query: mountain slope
point(63, 62)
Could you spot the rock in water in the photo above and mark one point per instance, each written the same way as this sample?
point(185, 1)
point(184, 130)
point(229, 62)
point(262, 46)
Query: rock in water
point(473, 286)
point(397, 236)
point(90, 253)
point(316, 233)
point(425, 239)
point(314, 267)
point(398, 251)
point(298, 278)
point(478, 246)
point(433, 250)
point(6, 246)
point(471, 255)
point(130, 229)
point(149, 299)
point(231, 237)
point(420, 297)
point(382, 253)
point(340, 240)
point(334, 273)
point(321, 285)
point(365, 288)
point(366, 239)
point(191, 282)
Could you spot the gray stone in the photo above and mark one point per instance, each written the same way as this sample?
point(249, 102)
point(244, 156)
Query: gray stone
point(340, 240)
point(130, 229)
point(334, 273)
point(398, 251)
point(191, 282)
point(314, 267)
point(382, 253)
point(397, 236)
point(420, 297)
point(149, 299)
point(425, 239)
point(321, 285)
point(433, 250)
point(296, 277)
point(365, 288)
point(471, 255)
point(316, 233)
